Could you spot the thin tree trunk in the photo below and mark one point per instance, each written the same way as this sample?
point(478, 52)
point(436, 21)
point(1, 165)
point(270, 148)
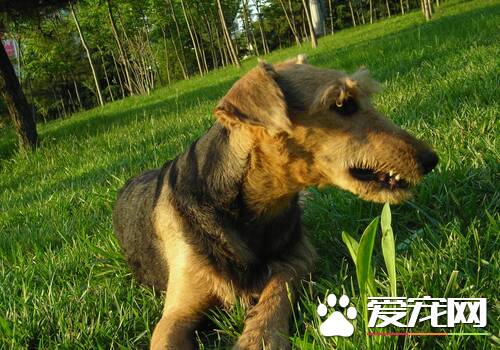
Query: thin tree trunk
point(121, 51)
point(193, 40)
point(181, 47)
point(427, 9)
point(106, 74)
point(118, 74)
point(292, 27)
point(77, 94)
point(17, 105)
point(199, 42)
point(72, 102)
point(261, 29)
point(179, 59)
point(222, 51)
point(314, 42)
point(388, 8)
point(371, 11)
point(331, 15)
point(402, 7)
point(249, 27)
point(230, 44)
point(352, 14)
point(167, 60)
point(211, 39)
point(152, 57)
point(292, 16)
point(84, 44)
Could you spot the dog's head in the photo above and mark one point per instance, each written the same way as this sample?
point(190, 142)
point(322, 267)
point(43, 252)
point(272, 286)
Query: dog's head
point(324, 121)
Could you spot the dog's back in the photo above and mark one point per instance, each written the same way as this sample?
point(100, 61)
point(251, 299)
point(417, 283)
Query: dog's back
point(132, 220)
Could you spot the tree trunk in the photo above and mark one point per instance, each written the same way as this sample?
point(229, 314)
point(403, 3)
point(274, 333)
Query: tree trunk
point(371, 11)
point(292, 27)
point(19, 109)
point(167, 60)
point(331, 15)
point(89, 56)
point(118, 74)
point(388, 8)
point(402, 7)
point(230, 44)
point(211, 39)
point(199, 42)
point(261, 29)
point(352, 14)
point(181, 47)
point(103, 62)
point(314, 42)
point(249, 28)
point(193, 40)
point(77, 94)
point(426, 8)
point(121, 51)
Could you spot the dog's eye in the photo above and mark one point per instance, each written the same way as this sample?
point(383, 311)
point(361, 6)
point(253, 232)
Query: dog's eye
point(348, 107)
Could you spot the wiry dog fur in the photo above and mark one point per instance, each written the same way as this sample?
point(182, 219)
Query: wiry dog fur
point(222, 221)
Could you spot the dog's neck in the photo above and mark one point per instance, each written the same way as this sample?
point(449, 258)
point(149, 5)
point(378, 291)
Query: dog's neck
point(273, 177)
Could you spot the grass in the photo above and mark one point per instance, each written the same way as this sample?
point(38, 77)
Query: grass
point(64, 284)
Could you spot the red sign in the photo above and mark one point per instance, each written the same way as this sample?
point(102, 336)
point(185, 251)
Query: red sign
point(10, 48)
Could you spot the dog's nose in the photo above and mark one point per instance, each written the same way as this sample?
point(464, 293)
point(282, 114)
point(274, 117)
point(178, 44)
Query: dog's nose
point(429, 160)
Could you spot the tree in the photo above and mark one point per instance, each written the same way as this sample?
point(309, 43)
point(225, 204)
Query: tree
point(314, 42)
point(229, 41)
point(19, 109)
point(89, 56)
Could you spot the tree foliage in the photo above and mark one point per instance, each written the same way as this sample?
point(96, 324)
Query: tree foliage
point(155, 42)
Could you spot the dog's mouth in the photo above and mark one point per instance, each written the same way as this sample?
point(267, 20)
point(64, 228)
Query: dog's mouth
point(384, 180)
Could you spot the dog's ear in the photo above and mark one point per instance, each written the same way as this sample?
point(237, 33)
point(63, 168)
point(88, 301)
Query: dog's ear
point(255, 99)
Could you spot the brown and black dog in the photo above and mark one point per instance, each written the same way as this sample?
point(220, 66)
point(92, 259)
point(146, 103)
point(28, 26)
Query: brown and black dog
point(221, 221)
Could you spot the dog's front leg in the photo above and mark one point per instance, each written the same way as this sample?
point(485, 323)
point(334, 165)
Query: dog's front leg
point(185, 302)
point(266, 325)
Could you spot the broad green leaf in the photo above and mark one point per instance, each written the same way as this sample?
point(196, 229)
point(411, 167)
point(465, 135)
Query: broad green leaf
point(352, 245)
point(364, 258)
point(388, 247)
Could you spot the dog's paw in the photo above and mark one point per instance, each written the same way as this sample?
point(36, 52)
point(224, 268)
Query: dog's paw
point(274, 342)
point(337, 324)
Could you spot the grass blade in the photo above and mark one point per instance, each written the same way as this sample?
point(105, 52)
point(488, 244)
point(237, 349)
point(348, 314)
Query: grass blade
point(451, 283)
point(388, 247)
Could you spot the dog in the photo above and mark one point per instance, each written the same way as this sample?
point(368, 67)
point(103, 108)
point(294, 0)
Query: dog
point(221, 222)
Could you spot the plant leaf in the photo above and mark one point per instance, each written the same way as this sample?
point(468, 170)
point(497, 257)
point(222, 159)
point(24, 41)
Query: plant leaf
point(388, 247)
point(352, 245)
point(364, 258)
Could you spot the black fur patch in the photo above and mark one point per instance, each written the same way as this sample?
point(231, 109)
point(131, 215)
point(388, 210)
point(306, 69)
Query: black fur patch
point(207, 193)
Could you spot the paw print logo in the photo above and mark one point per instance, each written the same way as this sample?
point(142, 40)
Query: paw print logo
point(337, 324)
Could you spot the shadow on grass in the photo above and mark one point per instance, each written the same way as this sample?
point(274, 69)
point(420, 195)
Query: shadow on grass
point(121, 113)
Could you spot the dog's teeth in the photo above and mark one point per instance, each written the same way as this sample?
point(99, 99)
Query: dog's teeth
point(397, 177)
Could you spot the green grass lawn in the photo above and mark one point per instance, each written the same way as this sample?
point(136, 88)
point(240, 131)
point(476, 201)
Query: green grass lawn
point(63, 281)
